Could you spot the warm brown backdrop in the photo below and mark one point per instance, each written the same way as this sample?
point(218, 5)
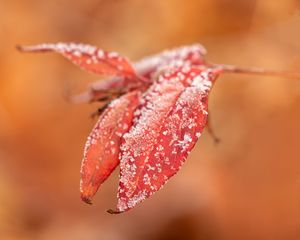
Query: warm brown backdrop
point(247, 187)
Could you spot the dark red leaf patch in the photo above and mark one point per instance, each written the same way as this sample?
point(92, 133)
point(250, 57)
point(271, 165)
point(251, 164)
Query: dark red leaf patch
point(101, 153)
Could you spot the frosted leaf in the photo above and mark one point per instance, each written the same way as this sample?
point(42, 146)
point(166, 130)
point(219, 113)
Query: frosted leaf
point(171, 59)
point(164, 133)
point(102, 146)
point(88, 57)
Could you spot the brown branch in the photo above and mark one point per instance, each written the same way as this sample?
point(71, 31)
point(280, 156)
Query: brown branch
point(256, 71)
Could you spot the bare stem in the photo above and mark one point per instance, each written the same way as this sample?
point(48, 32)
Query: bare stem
point(255, 70)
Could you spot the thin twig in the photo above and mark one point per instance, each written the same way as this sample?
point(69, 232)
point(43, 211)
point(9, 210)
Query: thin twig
point(255, 70)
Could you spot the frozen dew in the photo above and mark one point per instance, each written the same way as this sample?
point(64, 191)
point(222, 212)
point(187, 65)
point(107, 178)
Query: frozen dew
point(184, 143)
point(100, 54)
point(113, 55)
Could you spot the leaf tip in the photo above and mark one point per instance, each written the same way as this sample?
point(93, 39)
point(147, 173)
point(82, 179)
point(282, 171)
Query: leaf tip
point(86, 199)
point(19, 48)
point(111, 211)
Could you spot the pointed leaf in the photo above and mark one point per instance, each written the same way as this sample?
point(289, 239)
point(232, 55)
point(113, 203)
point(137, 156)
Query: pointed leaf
point(163, 135)
point(102, 147)
point(88, 57)
point(192, 55)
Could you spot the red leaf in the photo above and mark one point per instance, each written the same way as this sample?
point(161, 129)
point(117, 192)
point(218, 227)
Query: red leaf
point(102, 147)
point(169, 123)
point(192, 55)
point(89, 58)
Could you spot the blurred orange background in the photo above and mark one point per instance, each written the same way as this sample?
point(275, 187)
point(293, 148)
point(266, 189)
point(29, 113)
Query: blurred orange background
point(246, 187)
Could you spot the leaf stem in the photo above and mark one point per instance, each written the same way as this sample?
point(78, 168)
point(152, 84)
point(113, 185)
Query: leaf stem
point(256, 71)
